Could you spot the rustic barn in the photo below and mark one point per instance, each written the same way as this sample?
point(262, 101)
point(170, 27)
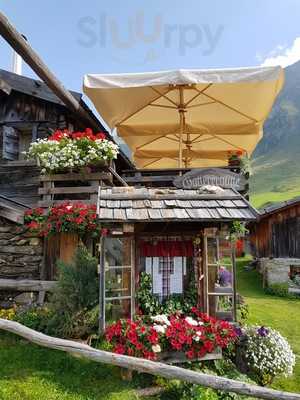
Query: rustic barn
point(275, 240)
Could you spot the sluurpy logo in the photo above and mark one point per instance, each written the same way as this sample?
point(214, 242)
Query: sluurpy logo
point(154, 35)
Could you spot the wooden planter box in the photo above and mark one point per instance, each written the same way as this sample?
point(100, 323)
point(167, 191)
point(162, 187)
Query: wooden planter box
point(178, 357)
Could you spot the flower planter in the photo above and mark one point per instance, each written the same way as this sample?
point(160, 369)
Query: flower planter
point(179, 357)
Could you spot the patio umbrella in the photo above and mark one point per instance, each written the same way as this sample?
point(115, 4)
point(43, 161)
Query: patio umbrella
point(186, 118)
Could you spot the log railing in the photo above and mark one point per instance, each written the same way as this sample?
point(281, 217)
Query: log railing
point(150, 367)
point(72, 186)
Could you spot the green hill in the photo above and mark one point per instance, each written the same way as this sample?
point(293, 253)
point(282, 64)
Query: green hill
point(276, 161)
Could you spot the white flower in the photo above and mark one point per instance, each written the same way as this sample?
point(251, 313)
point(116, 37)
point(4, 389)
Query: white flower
point(160, 328)
point(191, 321)
point(156, 348)
point(161, 319)
point(196, 338)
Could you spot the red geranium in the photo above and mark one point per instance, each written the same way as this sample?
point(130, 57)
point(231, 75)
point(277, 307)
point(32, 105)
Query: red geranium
point(75, 217)
point(196, 335)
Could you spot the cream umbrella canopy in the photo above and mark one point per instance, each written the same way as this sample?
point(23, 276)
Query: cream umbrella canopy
point(186, 118)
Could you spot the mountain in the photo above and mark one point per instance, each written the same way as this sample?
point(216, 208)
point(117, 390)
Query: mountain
point(276, 160)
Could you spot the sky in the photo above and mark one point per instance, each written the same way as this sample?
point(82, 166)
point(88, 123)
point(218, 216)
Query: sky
point(78, 37)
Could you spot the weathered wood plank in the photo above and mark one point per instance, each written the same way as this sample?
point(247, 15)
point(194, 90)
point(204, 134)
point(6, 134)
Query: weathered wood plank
point(147, 366)
point(119, 214)
point(68, 190)
point(27, 285)
point(93, 176)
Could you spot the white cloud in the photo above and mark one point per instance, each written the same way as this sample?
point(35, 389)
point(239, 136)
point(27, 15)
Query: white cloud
point(283, 55)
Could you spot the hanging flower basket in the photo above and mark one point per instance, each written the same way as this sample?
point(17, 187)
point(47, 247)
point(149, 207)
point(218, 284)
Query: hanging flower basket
point(67, 151)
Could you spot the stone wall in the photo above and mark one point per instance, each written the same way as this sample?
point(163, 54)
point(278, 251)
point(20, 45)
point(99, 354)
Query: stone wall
point(21, 254)
point(276, 270)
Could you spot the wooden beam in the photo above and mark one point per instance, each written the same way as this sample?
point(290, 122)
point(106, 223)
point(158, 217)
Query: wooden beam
point(93, 176)
point(68, 190)
point(12, 215)
point(146, 366)
point(21, 46)
point(26, 285)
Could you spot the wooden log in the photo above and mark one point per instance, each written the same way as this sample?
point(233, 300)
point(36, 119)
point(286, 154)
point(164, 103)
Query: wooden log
point(26, 285)
point(147, 366)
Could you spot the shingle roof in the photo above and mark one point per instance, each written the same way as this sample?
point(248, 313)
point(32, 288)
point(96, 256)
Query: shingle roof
point(171, 204)
point(32, 87)
point(278, 207)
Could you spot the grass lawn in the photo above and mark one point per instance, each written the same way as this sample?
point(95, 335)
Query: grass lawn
point(29, 372)
point(278, 313)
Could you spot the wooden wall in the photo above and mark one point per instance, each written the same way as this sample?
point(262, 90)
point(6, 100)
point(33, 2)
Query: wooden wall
point(277, 234)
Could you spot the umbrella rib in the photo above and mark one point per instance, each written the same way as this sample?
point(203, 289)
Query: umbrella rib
point(198, 94)
point(164, 96)
point(202, 104)
point(162, 106)
point(230, 107)
point(137, 111)
point(227, 142)
point(151, 141)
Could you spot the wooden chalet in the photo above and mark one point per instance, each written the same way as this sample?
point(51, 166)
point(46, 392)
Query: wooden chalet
point(155, 230)
point(274, 239)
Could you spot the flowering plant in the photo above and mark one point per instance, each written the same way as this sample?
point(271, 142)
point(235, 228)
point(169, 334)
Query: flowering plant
point(72, 150)
point(267, 353)
point(66, 217)
point(196, 335)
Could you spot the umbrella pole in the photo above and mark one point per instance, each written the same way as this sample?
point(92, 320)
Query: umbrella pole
point(181, 110)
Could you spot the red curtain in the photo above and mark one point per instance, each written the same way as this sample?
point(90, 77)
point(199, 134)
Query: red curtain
point(162, 248)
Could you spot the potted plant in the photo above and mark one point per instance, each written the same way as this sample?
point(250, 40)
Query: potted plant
point(72, 151)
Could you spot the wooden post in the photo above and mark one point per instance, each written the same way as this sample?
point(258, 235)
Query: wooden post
point(102, 286)
point(234, 282)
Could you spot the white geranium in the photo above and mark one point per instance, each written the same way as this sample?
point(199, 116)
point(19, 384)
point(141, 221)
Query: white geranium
point(160, 328)
point(191, 321)
point(161, 319)
point(156, 348)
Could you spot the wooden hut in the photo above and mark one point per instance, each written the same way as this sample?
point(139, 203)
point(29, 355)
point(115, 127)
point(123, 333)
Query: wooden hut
point(176, 235)
point(275, 241)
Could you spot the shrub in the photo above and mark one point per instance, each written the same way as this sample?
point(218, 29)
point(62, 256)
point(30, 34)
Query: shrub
point(34, 317)
point(280, 290)
point(266, 353)
point(8, 313)
point(75, 297)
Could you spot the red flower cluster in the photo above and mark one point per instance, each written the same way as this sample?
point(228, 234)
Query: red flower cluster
point(202, 336)
point(65, 134)
point(66, 217)
point(133, 338)
point(195, 335)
